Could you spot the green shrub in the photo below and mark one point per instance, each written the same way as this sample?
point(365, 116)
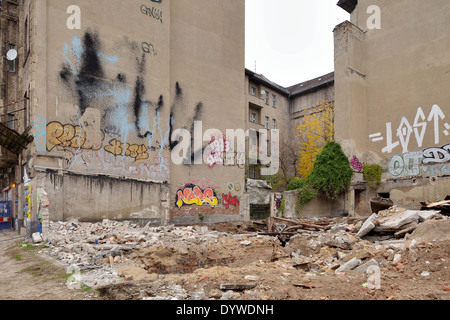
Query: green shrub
point(332, 173)
point(331, 176)
point(295, 184)
point(372, 174)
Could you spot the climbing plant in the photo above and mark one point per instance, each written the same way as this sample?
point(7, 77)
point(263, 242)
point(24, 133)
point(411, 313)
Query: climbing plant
point(372, 174)
point(330, 176)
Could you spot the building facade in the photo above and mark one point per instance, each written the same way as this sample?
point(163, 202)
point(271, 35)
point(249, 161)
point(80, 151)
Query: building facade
point(124, 106)
point(10, 113)
point(392, 97)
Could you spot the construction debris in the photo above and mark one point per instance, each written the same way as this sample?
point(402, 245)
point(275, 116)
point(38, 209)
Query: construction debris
point(443, 206)
point(395, 223)
point(246, 261)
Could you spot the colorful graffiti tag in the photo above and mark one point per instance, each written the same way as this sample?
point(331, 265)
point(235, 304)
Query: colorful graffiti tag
point(193, 195)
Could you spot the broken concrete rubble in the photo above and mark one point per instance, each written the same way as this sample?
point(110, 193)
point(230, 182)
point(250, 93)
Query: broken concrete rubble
point(115, 254)
point(395, 222)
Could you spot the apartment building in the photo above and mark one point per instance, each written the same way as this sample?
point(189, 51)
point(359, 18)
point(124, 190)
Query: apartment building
point(9, 109)
point(392, 71)
point(271, 106)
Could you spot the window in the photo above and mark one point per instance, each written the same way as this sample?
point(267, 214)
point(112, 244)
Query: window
point(274, 100)
point(27, 38)
point(11, 63)
point(252, 172)
point(253, 91)
point(274, 124)
point(267, 123)
point(253, 118)
point(10, 123)
point(267, 97)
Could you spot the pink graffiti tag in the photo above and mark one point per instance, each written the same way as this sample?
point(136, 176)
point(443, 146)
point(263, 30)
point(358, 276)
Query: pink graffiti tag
point(230, 200)
point(218, 147)
point(356, 165)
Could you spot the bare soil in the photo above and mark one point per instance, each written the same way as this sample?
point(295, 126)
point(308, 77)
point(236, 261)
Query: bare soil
point(27, 275)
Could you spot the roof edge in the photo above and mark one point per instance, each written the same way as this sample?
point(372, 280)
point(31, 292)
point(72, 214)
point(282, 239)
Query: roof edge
point(348, 5)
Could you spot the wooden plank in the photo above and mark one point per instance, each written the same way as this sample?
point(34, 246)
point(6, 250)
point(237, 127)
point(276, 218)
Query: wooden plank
point(237, 286)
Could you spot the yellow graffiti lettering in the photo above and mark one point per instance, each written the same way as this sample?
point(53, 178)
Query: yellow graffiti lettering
point(191, 196)
point(137, 152)
point(115, 147)
point(68, 136)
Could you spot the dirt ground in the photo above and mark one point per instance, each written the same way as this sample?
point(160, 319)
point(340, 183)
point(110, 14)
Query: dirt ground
point(260, 268)
point(27, 275)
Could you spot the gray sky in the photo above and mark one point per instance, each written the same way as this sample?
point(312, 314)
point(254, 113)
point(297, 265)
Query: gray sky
point(291, 40)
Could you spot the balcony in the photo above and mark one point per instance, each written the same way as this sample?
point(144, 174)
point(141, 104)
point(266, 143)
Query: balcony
point(13, 141)
point(256, 102)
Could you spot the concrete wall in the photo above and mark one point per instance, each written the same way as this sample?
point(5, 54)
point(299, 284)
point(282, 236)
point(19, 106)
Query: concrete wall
point(318, 207)
point(207, 60)
point(106, 96)
point(392, 101)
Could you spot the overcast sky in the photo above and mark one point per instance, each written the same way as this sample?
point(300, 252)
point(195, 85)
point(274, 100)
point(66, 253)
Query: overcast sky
point(291, 40)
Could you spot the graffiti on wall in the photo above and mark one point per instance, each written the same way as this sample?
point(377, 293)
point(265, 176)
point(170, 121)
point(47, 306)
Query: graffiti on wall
point(27, 202)
point(431, 161)
point(229, 200)
point(127, 123)
point(414, 129)
point(40, 133)
point(69, 136)
point(152, 12)
point(194, 195)
point(356, 164)
point(278, 199)
point(122, 113)
point(218, 146)
point(137, 152)
point(148, 48)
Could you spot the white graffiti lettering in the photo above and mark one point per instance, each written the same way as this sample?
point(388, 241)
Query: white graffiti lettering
point(404, 132)
point(437, 155)
point(414, 163)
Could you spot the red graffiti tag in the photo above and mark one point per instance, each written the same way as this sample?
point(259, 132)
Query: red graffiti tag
point(230, 200)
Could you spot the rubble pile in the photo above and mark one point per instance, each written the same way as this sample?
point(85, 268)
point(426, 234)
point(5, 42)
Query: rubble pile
point(89, 245)
point(122, 259)
point(395, 222)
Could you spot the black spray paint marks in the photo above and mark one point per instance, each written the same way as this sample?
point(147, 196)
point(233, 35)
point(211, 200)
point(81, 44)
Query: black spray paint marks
point(197, 154)
point(160, 104)
point(173, 111)
point(178, 91)
point(139, 100)
point(90, 74)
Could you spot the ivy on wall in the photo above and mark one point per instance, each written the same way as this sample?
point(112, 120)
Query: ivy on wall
point(372, 174)
point(331, 175)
